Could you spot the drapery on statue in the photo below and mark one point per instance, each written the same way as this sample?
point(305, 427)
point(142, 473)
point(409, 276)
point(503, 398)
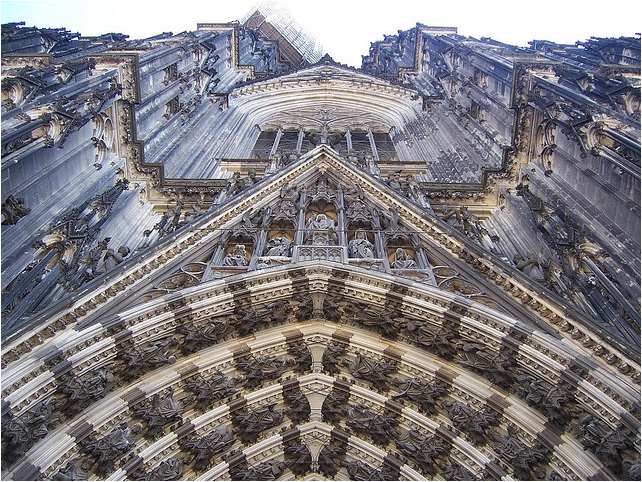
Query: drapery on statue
point(360, 246)
point(278, 246)
point(320, 230)
point(403, 260)
point(238, 257)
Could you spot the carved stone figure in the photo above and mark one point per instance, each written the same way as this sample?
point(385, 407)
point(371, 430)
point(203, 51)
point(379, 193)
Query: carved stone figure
point(473, 423)
point(493, 365)
point(158, 412)
point(298, 406)
point(333, 357)
point(170, 469)
point(381, 427)
point(259, 368)
point(423, 450)
point(360, 246)
point(75, 469)
point(215, 386)
point(87, 388)
point(330, 457)
point(13, 209)
point(606, 442)
point(436, 339)
point(320, 230)
point(455, 471)
point(302, 357)
point(205, 447)
point(297, 456)
point(20, 432)
point(403, 260)
point(238, 257)
point(250, 423)
point(385, 321)
point(112, 258)
point(358, 470)
point(108, 449)
point(523, 459)
point(145, 356)
point(278, 246)
point(200, 334)
point(422, 392)
point(545, 396)
point(335, 406)
point(270, 470)
point(375, 372)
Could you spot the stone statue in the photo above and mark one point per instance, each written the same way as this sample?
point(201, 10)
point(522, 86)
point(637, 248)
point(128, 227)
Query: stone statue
point(259, 368)
point(403, 260)
point(423, 450)
point(112, 258)
point(87, 388)
point(330, 457)
point(473, 423)
point(204, 448)
point(75, 469)
point(335, 406)
point(278, 246)
point(437, 339)
point(422, 392)
point(270, 470)
point(360, 246)
point(375, 372)
point(238, 257)
point(215, 386)
point(158, 412)
point(381, 427)
point(332, 357)
point(108, 449)
point(298, 457)
point(320, 230)
point(249, 423)
point(298, 406)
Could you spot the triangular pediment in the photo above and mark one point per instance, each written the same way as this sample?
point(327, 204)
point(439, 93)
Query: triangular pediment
point(398, 238)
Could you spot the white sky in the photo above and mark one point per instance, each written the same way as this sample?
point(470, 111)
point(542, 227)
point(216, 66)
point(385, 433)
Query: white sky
point(345, 28)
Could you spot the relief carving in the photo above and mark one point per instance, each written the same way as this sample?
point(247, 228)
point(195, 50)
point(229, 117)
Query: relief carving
point(373, 371)
point(250, 423)
point(205, 447)
point(438, 340)
point(157, 412)
point(75, 469)
point(13, 209)
point(140, 358)
point(526, 461)
point(333, 357)
point(331, 457)
point(335, 406)
point(108, 449)
point(358, 470)
point(471, 422)
point(83, 390)
point(298, 406)
point(298, 457)
point(20, 432)
point(203, 333)
point(259, 368)
point(381, 427)
point(489, 363)
point(213, 386)
point(422, 392)
point(424, 451)
point(301, 357)
point(270, 470)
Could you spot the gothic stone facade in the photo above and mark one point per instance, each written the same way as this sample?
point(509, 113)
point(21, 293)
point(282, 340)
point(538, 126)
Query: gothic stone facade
point(226, 256)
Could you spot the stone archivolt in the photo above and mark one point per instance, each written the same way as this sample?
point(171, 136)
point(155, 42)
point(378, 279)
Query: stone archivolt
point(473, 418)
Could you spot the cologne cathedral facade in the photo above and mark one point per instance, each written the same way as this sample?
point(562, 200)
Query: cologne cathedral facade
point(227, 256)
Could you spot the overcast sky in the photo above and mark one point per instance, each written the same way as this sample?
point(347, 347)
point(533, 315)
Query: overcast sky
point(345, 28)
